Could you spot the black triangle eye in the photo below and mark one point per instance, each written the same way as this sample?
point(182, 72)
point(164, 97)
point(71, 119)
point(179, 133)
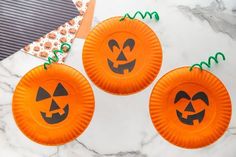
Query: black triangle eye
point(42, 94)
point(60, 90)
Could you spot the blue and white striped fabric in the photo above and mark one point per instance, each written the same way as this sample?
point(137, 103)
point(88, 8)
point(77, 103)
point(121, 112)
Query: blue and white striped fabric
point(24, 21)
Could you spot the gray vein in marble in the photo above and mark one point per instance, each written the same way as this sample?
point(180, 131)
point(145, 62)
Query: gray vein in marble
point(119, 154)
point(8, 71)
point(3, 126)
point(125, 154)
point(144, 143)
point(232, 130)
point(94, 153)
point(56, 153)
point(4, 110)
point(95, 21)
point(3, 105)
point(7, 88)
point(219, 4)
point(214, 14)
point(87, 148)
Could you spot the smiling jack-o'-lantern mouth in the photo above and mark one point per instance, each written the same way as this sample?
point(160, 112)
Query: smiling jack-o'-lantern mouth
point(121, 67)
point(191, 118)
point(56, 117)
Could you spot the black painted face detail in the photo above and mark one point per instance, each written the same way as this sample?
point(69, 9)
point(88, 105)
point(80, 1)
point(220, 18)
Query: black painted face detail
point(56, 117)
point(121, 57)
point(60, 90)
point(190, 108)
point(42, 94)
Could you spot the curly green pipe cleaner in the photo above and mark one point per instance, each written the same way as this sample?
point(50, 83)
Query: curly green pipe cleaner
point(147, 13)
point(55, 58)
point(208, 64)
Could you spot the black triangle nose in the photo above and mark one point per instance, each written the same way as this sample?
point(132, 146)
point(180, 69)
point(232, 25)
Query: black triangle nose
point(121, 57)
point(189, 108)
point(54, 106)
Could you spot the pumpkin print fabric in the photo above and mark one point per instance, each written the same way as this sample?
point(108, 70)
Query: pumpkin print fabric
point(122, 57)
point(44, 46)
point(53, 106)
point(190, 109)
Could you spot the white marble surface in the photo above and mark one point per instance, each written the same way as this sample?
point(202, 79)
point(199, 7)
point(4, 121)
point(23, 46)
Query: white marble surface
point(189, 31)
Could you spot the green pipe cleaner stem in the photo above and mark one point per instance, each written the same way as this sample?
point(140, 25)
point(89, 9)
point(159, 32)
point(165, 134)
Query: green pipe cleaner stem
point(55, 57)
point(209, 62)
point(153, 14)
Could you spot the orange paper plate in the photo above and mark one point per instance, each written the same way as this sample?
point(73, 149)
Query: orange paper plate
point(53, 106)
point(122, 57)
point(190, 109)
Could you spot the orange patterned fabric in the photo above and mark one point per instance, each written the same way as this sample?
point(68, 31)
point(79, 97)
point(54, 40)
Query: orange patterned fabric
point(44, 46)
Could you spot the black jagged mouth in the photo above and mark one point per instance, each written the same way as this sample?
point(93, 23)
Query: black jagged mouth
point(56, 117)
point(121, 67)
point(189, 120)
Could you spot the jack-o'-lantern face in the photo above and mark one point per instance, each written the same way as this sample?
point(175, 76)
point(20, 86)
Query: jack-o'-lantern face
point(122, 57)
point(190, 109)
point(121, 60)
point(191, 112)
point(53, 106)
point(190, 105)
point(54, 109)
